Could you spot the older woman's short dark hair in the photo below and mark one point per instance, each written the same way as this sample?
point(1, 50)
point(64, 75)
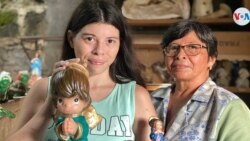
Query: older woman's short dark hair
point(182, 28)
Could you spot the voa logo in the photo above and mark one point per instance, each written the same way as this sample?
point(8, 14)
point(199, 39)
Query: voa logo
point(241, 16)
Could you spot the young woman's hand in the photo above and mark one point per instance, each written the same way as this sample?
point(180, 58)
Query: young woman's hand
point(61, 65)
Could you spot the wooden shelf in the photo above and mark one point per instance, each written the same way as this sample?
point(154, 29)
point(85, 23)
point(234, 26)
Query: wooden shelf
point(143, 41)
point(238, 90)
point(231, 45)
point(152, 87)
point(167, 22)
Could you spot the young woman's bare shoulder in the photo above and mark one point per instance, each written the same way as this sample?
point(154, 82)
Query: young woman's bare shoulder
point(141, 90)
point(142, 97)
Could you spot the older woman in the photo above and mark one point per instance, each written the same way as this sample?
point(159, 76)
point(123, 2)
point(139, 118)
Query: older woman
point(194, 107)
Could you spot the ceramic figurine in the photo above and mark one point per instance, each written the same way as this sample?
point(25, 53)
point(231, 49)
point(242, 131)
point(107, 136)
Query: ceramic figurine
point(17, 89)
point(35, 69)
point(222, 78)
point(23, 76)
point(6, 113)
point(205, 9)
point(36, 65)
point(160, 69)
point(223, 11)
point(156, 9)
point(5, 81)
point(242, 80)
point(147, 74)
point(157, 133)
point(74, 113)
point(202, 8)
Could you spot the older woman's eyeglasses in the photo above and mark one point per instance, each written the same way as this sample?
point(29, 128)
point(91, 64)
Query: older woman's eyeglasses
point(190, 49)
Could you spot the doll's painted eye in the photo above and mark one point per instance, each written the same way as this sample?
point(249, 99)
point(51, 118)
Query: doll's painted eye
point(59, 101)
point(76, 100)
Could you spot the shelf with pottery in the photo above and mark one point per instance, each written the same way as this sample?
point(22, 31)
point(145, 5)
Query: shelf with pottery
point(167, 22)
point(231, 45)
point(215, 18)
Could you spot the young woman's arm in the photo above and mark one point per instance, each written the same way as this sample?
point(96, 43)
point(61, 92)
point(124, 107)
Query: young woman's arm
point(144, 110)
point(35, 113)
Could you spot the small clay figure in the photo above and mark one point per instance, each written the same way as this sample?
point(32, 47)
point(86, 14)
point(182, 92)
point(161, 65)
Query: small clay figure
point(157, 133)
point(5, 81)
point(70, 94)
point(242, 80)
point(206, 9)
point(147, 74)
point(36, 64)
point(202, 8)
point(35, 69)
point(222, 77)
point(161, 70)
point(23, 76)
point(156, 9)
point(6, 113)
point(17, 89)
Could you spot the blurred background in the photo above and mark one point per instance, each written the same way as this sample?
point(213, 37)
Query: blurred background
point(31, 34)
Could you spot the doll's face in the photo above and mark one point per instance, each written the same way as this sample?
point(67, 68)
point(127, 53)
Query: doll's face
point(73, 105)
point(158, 125)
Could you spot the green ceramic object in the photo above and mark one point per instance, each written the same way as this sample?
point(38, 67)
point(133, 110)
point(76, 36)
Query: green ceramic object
point(5, 81)
point(6, 113)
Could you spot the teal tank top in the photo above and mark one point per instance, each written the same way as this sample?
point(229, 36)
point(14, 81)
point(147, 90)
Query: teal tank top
point(118, 112)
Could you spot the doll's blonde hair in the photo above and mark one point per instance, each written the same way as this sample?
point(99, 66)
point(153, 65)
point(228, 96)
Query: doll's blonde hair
point(92, 117)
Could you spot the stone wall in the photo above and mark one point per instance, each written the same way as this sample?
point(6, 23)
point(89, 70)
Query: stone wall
point(31, 20)
point(12, 56)
point(22, 18)
point(19, 18)
point(57, 16)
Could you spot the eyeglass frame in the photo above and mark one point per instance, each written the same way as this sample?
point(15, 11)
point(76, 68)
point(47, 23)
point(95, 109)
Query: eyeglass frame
point(184, 47)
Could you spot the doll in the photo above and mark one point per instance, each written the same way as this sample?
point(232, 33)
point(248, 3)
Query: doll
point(74, 113)
point(157, 133)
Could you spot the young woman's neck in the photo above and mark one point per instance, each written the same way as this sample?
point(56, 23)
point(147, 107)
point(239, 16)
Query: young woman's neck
point(100, 80)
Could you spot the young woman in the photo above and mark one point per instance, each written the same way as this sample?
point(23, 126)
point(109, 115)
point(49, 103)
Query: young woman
point(97, 34)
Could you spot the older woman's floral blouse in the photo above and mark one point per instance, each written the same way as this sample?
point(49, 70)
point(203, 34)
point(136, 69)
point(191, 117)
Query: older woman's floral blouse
point(212, 114)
